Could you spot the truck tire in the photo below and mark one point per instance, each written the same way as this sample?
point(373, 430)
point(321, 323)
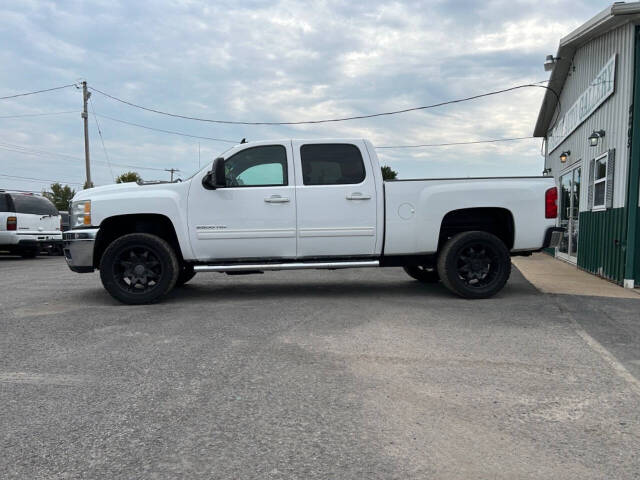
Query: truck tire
point(186, 274)
point(474, 264)
point(422, 274)
point(139, 268)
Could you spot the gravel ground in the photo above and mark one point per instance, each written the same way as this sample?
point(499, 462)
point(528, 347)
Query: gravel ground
point(313, 374)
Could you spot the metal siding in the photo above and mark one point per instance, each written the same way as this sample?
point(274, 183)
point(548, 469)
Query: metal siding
point(600, 243)
point(612, 116)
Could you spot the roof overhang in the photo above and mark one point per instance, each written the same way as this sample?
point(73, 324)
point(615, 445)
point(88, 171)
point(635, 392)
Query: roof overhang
point(611, 17)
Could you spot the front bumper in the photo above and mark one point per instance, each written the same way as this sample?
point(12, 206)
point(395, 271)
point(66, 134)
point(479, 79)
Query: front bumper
point(78, 249)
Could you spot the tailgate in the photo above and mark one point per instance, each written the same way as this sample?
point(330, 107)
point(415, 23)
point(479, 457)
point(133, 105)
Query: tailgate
point(35, 214)
point(38, 224)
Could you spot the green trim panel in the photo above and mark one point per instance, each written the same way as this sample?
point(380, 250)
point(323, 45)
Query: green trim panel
point(633, 180)
point(637, 251)
point(601, 243)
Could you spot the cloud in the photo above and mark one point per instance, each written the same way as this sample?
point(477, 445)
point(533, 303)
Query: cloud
point(277, 61)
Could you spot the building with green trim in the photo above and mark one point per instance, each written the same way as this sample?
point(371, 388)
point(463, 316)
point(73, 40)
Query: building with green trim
point(590, 121)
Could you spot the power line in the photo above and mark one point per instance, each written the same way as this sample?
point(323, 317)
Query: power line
point(23, 149)
point(39, 179)
point(37, 91)
point(38, 114)
point(166, 131)
point(474, 142)
point(357, 117)
point(101, 139)
point(43, 153)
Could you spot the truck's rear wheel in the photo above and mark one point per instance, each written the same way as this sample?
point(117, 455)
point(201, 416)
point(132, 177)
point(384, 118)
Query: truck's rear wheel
point(474, 264)
point(139, 268)
point(423, 274)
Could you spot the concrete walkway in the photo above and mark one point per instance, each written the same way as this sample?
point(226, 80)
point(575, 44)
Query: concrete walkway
point(550, 275)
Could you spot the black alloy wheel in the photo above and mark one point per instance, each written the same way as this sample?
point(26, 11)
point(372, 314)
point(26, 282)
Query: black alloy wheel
point(474, 264)
point(139, 268)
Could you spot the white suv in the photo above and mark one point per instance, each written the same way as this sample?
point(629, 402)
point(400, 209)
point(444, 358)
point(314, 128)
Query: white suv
point(28, 224)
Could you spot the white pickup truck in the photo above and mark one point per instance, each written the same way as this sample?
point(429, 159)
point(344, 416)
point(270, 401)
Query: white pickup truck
point(308, 204)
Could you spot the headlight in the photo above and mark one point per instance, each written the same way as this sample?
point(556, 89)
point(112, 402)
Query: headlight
point(80, 214)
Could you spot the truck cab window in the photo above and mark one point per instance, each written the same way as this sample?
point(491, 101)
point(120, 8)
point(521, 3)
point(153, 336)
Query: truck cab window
point(331, 164)
point(257, 167)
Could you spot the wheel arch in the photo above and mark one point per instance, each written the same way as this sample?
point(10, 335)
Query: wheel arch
point(116, 226)
point(495, 220)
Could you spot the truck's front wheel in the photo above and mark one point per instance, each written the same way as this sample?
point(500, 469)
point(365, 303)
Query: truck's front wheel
point(474, 264)
point(139, 268)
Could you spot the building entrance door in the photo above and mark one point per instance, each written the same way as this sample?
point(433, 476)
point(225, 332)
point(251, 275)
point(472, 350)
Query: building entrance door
point(570, 184)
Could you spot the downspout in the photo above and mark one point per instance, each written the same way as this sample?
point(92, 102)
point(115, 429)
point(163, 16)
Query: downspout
point(634, 173)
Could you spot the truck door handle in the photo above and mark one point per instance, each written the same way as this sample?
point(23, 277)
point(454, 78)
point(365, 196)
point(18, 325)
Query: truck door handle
point(358, 196)
point(276, 199)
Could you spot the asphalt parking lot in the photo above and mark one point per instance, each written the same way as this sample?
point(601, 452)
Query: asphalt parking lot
point(336, 375)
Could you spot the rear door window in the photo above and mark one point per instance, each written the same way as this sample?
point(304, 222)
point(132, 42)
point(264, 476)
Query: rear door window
point(31, 204)
point(331, 164)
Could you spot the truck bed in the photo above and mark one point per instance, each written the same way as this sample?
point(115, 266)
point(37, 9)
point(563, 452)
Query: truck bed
point(416, 208)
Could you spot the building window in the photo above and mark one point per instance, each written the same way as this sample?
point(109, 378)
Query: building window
point(600, 182)
point(601, 171)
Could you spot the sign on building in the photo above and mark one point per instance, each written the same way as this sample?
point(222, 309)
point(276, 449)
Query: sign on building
point(601, 88)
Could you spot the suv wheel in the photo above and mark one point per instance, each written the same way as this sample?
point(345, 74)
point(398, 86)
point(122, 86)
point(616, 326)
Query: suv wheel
point(474, 264)
point(139, 268)
point(422, 274)
point(30, 252)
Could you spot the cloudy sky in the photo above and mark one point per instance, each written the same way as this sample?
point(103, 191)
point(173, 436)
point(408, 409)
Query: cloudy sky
point(255, 60)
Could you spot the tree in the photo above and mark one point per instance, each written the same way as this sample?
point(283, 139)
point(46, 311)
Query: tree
point(60, 196)
point(388, 173)
point(128, 177)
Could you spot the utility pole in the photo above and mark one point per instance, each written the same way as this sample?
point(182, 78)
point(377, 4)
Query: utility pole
point(85, 98)
point(172, 170)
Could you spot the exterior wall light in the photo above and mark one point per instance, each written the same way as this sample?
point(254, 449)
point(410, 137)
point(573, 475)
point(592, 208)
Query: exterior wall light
point(564, 156)
point(550, 62)
point(546, 171)
point(595, 137)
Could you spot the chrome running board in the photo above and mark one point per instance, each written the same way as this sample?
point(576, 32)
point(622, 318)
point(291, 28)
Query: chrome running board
point(285, 266)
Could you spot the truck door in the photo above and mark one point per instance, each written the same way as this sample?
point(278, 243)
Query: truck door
point(336, 199)
point(255, 215)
